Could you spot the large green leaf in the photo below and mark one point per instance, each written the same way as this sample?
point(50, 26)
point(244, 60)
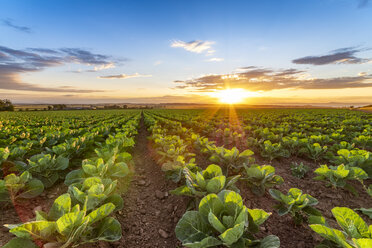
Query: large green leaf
point(332, 234)
point(216, 184)
point(351, 222)
point(210, 203)
point(33, 188)
point(69, 221)
point(109, 230)
point(100, 213)
point(61, 206)
point(216, 223)
point(37, 229)
point(363, 243)
point(191, 228)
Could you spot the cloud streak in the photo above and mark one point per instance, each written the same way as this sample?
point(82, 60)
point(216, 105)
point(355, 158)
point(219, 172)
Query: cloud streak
point(339, 56)
point(124, 76)
point(264, 79)
point(10, 23)
point(14, 63)
point(196, 46)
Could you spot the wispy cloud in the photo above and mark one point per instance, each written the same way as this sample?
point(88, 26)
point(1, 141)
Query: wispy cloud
point(124, 76)
point(264, 79)
point(339, 56)
point(196, 46)
point(10, 23)
point(215, 60)
point(14, 62)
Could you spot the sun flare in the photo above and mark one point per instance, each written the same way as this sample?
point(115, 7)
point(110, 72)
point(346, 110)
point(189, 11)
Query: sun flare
point(232, 96)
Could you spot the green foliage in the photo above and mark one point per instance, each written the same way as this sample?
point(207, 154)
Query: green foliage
point(355, 232)
point(223, 220)
point(211, 180)
point(356, 157)
point(23, 186)
point(314, 151)
point(4, 154)
point(45, 167)
point(66, 225)
point(299, 170)
point(94, 192)
point(231, 159)
point(98, 168)
point(273, 150)
point(260, 178)
point(366, 211)
point(296, 203)
point(337, 176)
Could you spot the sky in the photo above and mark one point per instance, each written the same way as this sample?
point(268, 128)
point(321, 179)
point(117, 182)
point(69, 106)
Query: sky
point(280, 52)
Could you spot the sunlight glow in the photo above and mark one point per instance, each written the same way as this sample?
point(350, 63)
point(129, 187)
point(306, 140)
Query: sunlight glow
point(232, 96)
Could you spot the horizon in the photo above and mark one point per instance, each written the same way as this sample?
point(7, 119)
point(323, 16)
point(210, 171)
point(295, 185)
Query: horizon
point(186, 52)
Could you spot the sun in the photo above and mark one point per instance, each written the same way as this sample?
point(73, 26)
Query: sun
point(231, 96)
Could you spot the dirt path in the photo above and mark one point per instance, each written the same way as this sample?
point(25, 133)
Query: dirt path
point(150, 214)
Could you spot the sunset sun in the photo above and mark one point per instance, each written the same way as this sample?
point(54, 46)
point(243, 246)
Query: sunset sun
point(232, 96)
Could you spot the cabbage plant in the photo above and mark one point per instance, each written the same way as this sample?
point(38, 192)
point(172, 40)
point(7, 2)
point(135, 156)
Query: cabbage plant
point(222, 219)
point(273, 150)
point(210, 180)
point(98, 168)
point(259, 178)
point(23, 186)
point(94, 191)
point(66, 225)
point(354, 233)
point(231, 159)
point(296, 203)
point(337, 176)
point(45, 167)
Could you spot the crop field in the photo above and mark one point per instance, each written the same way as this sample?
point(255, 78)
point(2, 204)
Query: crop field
point(197, 178)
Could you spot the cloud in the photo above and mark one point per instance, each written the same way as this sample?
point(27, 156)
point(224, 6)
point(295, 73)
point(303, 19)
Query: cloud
point(9, 23)
point(264, 79)
point(124, 76)
point(196, 46)
point(15, 62)
point(215, 60)
point(339, 56)
point(363, 3)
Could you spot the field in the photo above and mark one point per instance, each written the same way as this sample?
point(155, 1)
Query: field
point(186, 178)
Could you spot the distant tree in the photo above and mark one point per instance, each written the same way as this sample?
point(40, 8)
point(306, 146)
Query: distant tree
point(125, 106)
point(351, 107)
point(50, 107)
point(59, 106)
point(6, 105)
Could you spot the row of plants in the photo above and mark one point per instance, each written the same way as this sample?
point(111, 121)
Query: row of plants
point(219, 216)
point(200, 184)
point(83, 213)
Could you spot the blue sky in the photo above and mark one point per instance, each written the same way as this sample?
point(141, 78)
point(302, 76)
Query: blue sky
point(133, 51)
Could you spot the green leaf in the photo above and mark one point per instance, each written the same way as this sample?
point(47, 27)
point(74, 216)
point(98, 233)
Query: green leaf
point(350, 222)
point(332, 234)
point(216, 184)
point(61, 206)
point(100, 213)
point(33, 188)
point(69, 221)
point(214, 221)
point(37, 229)
point(363, 243)
point(109, 230)
point(270, 241)
point(232, 235)
point(366, 211)
point(192, 229)
point(20, 243)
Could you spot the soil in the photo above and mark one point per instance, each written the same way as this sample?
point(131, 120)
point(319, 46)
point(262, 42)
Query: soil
point(150, 213)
